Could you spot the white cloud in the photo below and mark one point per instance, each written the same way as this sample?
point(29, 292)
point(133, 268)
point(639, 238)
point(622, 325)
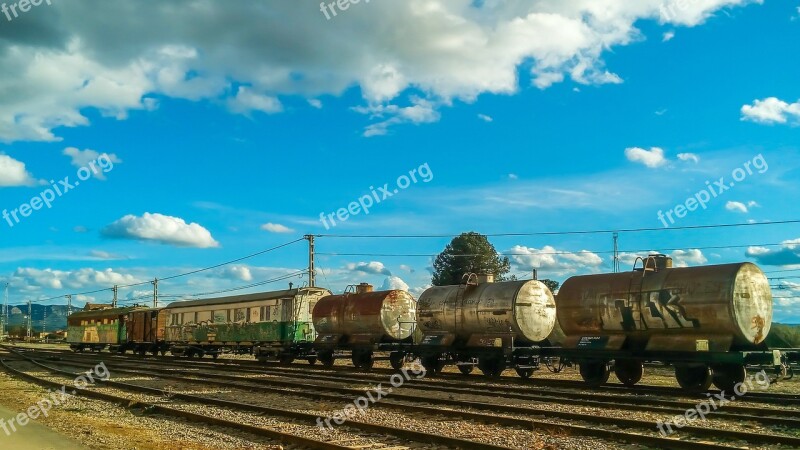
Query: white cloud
point(315, 103)
point(75, 279)
point(771, 111)
point(80, 229)
point(247, 101)
point(163, 229)
point(407, 268)
point(276, 228)
point(689, 157)
point(106, 256)
point(736, 207)
point(485, 118)
point(454, 50)
point(652, 158)
point(685, 258)
point(13, 173)
point(83, 158)
point(513, 176)
point(753, 204)
point(668, 36)
point(240, 273)
point(394, 283)
point(372, 267)
point(550, 260)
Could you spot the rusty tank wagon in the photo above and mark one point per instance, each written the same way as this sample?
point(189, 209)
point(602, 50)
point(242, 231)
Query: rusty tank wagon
point(362, 321)
point(709, 322)
point(481, 323)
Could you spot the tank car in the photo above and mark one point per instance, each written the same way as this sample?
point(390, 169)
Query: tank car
point(480, 322)
point(362, 321)
point(271, 325)
point(708, 321)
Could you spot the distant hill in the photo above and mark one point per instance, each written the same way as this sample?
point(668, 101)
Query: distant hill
point(49, 317)
point(784, 336)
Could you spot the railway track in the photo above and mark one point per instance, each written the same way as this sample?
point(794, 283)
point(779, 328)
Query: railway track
point(518, 384)
point(371, 437)
point(514, 416)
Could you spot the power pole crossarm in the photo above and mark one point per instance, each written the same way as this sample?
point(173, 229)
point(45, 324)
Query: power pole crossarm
point(155, 293)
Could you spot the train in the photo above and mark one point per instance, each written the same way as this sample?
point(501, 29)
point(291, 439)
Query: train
point(708, 322)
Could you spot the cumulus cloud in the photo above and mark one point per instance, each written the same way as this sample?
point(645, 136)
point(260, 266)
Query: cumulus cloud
point(83, 158)
point(736, 207)
point(513, 176)
point(394, 283)
point(75, 279)
point(188, 49)
point(372, 267)
point(668, 36)
point(652, 158)
point(689, 157)
point(106, 256)
point(407, 268)
point(550, 260)
point(276, 228)
point(772, 110)
point(485, 118)
point(788, 254)
point(163, 229)
point(13, 173)
point(240, 273)
point(685, 258)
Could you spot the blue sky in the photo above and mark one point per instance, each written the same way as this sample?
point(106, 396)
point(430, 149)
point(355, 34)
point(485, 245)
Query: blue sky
point(230, 131)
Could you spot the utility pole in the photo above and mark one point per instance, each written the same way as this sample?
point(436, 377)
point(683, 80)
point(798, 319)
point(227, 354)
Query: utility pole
point(616, 252)
point(4, 315)
point(30, 320)
point(44, 321)
point(114, 302)
point(69, 305)
point(155, 292)
point(312, 272)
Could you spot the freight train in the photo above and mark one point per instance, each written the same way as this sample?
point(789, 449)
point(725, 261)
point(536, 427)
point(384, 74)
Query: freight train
point(708, 322)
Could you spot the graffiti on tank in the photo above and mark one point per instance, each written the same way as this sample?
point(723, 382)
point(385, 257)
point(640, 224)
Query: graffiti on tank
point(495, 324)
point(649, 310)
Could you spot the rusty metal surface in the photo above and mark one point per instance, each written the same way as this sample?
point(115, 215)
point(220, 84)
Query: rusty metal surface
point(525, 309)
point(387, 314)
point(730, 300)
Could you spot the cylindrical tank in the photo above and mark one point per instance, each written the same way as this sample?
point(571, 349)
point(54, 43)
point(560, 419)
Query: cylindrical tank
point(386, 315)
point(721, 300)
point(525, 308)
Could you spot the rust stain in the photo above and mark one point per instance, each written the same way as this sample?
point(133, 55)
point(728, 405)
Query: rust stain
point(758, 323)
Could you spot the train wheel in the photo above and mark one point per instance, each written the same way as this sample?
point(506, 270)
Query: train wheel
point(215, 355)
point(141, 352)
point(433, 364)
point(466, 369)
point(492, 367)
point(727, 376)
point(326, 358)
point(694, 378)
point(595, 373)
point(396, 359)
point(363, 360)
point(628, 372)
point(312, 360)
point(287, 359)
point(189, 353)
point(525, 373)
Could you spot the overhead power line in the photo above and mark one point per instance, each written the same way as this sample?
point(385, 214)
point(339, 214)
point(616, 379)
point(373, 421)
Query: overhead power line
point(559, 233)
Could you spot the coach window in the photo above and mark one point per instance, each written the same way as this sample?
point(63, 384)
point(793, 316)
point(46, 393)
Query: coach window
point(220, 316)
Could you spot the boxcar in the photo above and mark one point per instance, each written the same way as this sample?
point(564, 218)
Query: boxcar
point(99, 329)
point(145, 332)
point(269, 325)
